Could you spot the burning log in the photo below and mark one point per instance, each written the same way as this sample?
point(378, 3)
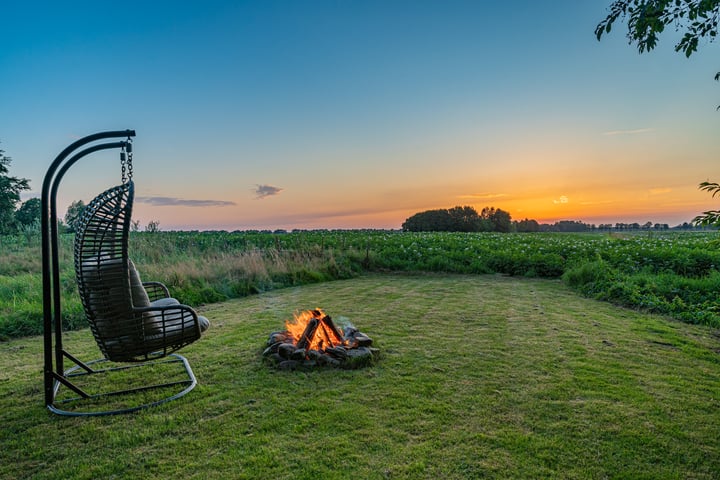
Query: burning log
point(327, 322)
point(308, 334)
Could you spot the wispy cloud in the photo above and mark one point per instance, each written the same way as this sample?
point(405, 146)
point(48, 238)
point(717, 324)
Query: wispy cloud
point(483, 196)
point(262, 191)
point(659, 191)
point(562, 200)
point(628, 132)
point(181, 202)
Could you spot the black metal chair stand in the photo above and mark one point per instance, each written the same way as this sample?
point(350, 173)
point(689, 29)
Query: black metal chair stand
point(136, 325)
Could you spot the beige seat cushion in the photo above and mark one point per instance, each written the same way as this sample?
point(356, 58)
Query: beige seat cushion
point(137, 291)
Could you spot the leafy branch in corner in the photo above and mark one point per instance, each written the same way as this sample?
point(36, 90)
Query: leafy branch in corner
point(647, 19)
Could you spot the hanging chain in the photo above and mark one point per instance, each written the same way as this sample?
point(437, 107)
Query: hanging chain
point(123, 163)
point(126, 166)
point(129, 159)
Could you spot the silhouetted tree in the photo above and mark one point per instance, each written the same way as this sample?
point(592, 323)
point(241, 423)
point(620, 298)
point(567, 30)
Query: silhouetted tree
point(153, 226)
point(499, 219)
point(10, 188)
point(28, 214)
point(427, 221)
point(72, 216)
point(526, 225)
point(464, 219)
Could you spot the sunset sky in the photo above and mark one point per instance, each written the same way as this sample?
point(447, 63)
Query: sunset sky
point(357, 114)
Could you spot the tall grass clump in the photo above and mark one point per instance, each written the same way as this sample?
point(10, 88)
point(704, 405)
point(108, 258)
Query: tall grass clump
point(21, 311)
point(215, 276)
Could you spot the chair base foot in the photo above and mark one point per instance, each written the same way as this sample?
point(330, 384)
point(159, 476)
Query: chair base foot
point(141, 394)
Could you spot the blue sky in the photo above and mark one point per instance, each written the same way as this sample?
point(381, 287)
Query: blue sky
point(346, 114)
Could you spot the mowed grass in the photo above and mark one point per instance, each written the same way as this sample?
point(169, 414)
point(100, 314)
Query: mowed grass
point(479, 377)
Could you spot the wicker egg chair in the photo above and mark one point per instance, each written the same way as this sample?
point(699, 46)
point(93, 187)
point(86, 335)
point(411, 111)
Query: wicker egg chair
point(135, 324)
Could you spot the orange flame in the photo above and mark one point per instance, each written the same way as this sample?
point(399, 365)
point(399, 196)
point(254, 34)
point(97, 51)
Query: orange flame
point(322, 337)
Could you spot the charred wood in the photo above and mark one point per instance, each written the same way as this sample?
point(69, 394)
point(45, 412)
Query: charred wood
point(337, 336)
point(308, 334)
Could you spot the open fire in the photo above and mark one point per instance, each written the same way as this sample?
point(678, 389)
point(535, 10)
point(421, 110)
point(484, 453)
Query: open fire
point(311, 339)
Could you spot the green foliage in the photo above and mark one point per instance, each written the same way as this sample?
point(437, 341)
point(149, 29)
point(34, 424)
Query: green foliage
point(21, 312)
point(647, 19)
point(592, 277)
point(710, 217)
point(73, 214)
point(10, 188)
point(28, 215)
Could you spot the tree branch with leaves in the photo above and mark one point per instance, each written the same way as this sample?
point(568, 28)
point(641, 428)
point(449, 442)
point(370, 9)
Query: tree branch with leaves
point(710, 217)
point(646, 19)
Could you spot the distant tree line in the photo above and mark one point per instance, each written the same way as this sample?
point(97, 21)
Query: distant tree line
point(491, 219)
point(576, 226)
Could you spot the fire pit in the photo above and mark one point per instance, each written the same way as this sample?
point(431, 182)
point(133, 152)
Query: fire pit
point(312, 339)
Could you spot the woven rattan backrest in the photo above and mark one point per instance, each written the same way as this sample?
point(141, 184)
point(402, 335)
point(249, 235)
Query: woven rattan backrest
point(101, 267)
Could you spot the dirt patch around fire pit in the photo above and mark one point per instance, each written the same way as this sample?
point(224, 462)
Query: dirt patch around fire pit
point(312, 339)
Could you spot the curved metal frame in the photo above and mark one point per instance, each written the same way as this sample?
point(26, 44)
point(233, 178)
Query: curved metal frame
point(69, 373)
point(54, 354)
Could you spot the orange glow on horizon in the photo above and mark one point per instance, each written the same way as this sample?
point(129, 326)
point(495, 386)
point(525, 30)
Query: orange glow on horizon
point(538, 194)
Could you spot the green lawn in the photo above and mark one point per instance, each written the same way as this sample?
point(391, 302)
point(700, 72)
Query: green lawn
point(479, 377)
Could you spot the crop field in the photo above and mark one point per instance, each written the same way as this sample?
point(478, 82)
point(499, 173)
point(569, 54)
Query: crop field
point(670, 273)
